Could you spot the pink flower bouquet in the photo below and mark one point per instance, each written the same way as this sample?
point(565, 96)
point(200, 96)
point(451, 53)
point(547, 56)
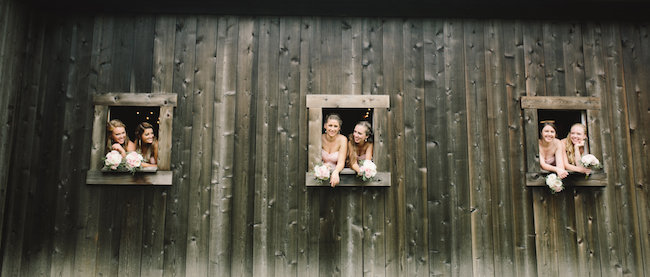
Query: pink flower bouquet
point(321, 172)
point(368, 170)
point(554, 183)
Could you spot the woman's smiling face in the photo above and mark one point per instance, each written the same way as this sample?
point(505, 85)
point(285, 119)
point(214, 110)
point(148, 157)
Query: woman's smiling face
point(360, 133)
point(332, 127)
point(577, 134)
point(548, 133)
point(147, 136)
point(119, 135)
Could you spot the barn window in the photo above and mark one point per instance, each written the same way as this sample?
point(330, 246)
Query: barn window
point(133, 108)
point(563, 112)
point(351, 108)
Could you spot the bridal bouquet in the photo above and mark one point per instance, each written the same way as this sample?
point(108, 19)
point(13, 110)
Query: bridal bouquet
point(321, 172)
point(368, 170)
point(114, 162)
point(554, 183)
point(590, 161)
point(133, 161)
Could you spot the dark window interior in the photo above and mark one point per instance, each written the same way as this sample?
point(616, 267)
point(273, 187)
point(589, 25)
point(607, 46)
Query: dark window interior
point(563, 119)
point(131, 116)
point(350, 117)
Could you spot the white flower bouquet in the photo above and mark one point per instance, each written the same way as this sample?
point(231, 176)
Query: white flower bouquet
point(133, 161)
point(321, 172)
point(554, 183)
point(368, 170)
point(590, 161)
point(115, 162)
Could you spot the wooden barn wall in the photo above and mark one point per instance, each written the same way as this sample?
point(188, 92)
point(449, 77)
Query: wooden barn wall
point(454, 140)
point(12, 48)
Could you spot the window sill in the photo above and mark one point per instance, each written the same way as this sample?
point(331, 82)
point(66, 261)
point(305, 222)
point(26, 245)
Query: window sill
point(596, 179)
point(349, 179)
point(142, 177)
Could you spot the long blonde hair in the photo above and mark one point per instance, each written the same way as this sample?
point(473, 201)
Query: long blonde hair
point(569, 144)
point(110, 126)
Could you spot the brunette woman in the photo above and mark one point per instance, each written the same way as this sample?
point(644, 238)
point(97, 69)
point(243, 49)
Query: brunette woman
point(551, 151)
point(146, 144)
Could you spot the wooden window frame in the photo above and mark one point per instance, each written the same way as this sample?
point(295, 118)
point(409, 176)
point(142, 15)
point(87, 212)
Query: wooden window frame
point(535, 177)
point(315, 104)
point(102, 103)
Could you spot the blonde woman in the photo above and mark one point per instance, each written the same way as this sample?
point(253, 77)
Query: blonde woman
point(334, 147)
point(116, 137)
point(145, 144)
point(360, 145)
point(551, 151)
point(575, 147)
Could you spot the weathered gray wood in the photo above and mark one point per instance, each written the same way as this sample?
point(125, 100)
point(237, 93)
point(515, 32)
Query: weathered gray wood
point(496, 65)
point(552, 55)
point(349, 179)
point(479, 143)
point(96, 177)
point(395, 207)
point(626, 208)
point(461, 244)
point(163, 53)
point(347, 101)
point(414, 149)
point(142, 69)
point(330, 209)
point(286, 214)
point(374, 238)
point(309, 248)
point(560, 102)
point(636, 82)
point(266, 165)
point(184, 57)
point(524, 239)
point(223, 135)
point(439, 208)
point(122, 53)
point(243, 163)
point(136, 99)
point(599, 131)
point(598, 179)
point(201, 151)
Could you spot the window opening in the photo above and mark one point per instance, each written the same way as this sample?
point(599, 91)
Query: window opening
point(131, 116)
point(562, 119)
point(350, 117)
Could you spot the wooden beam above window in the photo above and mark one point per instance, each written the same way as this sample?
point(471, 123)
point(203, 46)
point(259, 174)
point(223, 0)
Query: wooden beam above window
point(560, 103)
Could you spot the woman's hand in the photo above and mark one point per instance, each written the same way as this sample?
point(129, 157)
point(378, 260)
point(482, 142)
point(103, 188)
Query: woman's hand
point(117, 147)
point(562, 173)
point(334, 179)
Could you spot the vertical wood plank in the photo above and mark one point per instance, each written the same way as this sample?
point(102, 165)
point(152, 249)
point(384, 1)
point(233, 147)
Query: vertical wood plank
point(143, 50)
point(414, 149)
point(223, 134)
point(374, 238)
point(266, 144)
point(524, 239)
point(395, 206)
point(436, 106)
point(201, 149)
point(350, 218)
point(625, 192)
point(288, 181)
point(478, 148)
point(461, 241)
point(309, 237)
point(596, 85)
point(244, 159)
point(163, 53)
point(498, 159)
point(175, 253)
